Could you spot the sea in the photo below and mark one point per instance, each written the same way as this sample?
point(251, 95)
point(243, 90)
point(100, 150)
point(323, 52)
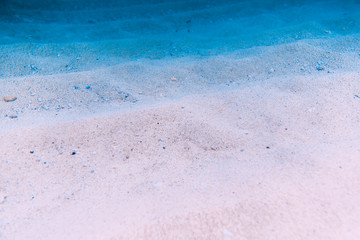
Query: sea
point(46, 37)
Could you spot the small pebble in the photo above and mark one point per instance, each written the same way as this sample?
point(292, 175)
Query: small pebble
point(73, 153)
point(2, 197)
point(9, 99)
point(173, 79)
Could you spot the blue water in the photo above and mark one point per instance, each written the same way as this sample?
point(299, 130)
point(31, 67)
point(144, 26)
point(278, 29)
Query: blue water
point(104, 32)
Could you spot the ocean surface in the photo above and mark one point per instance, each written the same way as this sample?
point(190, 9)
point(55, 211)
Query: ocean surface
point(57, 36)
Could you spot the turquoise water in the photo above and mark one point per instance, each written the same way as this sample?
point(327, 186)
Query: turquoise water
point(107, 32)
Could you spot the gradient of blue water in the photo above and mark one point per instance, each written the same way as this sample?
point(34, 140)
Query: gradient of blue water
point(182, 26)
point(94, 30)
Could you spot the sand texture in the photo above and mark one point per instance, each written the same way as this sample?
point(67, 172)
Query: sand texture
point(276, 160)
point(191, 119)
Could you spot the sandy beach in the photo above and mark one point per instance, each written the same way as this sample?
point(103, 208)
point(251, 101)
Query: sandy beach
point(110, 138)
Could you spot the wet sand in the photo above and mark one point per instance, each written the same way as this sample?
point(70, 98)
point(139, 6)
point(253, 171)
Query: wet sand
point(274, 160)
point(179, 120)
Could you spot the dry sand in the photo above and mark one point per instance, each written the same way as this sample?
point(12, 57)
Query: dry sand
point(276, 159)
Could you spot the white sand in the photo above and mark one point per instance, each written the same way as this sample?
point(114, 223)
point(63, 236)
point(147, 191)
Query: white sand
point(193, 168)
point(255, 144)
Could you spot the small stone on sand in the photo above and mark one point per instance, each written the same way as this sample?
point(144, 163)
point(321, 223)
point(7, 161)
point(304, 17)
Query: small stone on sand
point(9, 99)
point(173, 79)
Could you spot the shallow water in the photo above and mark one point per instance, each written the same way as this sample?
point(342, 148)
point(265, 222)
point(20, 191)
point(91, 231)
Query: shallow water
point(46, 37)
point(129, 115)
point(228, 24)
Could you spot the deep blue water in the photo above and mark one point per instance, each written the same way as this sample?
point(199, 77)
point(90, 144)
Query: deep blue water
point(103, 30)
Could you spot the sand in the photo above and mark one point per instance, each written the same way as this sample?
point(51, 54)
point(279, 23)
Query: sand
point(180, 120)
point(269, 160)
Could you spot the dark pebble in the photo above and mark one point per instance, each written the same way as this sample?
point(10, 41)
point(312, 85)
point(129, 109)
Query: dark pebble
point(73, 153)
